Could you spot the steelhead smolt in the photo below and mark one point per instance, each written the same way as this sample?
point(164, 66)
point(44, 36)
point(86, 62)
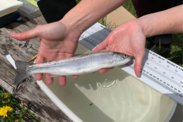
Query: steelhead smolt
point(76, 65)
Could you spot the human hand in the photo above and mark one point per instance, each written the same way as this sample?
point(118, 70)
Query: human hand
point(128, 38)
point(58, 41)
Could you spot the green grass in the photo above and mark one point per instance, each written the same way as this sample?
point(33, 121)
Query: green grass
point(176, 53)
point(129, 6)
point(19, 112)
point(77, 1)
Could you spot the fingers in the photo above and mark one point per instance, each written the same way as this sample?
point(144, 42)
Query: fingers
point(138, 64)
point(62, 80)
point(49, 79)
point(105, 70)
point(39, 59)
point(76, 76)
point(101, 46)
point(34, 33)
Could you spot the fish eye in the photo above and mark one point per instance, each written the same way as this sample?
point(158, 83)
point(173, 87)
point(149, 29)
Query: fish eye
point(125, 56)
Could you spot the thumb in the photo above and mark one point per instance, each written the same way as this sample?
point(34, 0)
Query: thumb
point(34, 33)
point(138, 64)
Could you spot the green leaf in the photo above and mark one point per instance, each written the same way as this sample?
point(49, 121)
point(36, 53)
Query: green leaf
point(21, 120)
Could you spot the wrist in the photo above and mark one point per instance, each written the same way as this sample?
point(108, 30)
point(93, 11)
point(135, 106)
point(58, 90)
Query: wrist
point(77, 24)
point(143, 23)
point(70, 30)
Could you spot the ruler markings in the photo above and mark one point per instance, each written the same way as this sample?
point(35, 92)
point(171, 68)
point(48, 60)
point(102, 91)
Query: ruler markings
point(100, 37)
point(162, 77)
point(174, 75)
point(159, 86)
point(93, 44)
point(170, 72)
point(155, 77)
point(173, 65)
point(145, 79)
point(158, 82)
point(131, 67)
point(95, 38)
point(162, 70)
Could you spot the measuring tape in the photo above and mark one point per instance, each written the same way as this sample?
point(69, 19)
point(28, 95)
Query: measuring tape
point(157, 72)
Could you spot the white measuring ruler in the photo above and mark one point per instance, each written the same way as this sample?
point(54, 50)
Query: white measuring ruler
point(157, 72)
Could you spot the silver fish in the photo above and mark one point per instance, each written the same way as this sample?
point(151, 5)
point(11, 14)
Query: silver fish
point(76, 65)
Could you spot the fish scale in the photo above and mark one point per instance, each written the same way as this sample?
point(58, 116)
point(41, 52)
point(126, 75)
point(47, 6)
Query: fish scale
point(159, 73)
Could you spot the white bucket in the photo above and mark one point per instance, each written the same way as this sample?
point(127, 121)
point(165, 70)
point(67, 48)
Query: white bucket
point(111, 97)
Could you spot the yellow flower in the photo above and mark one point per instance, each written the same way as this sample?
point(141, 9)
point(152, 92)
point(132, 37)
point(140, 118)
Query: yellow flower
point(4, 110)
point(5, 95)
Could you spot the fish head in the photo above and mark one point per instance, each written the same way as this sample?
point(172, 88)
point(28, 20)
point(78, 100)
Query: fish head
point(122, 58)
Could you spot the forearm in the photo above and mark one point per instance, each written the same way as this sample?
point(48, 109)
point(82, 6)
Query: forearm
point(88, 12)
point(166, 22)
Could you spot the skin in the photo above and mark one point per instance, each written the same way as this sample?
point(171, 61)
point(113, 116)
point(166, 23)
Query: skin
point(59, 39)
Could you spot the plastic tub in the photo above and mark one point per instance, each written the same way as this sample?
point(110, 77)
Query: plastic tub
point(111, 97)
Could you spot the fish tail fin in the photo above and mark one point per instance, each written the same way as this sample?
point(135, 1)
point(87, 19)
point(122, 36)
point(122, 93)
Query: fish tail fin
point(21, 66)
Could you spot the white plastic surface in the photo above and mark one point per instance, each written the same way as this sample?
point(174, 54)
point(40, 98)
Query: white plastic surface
point(171, 113)
point(58, 103)
point(111, 97)
point(9, 5)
